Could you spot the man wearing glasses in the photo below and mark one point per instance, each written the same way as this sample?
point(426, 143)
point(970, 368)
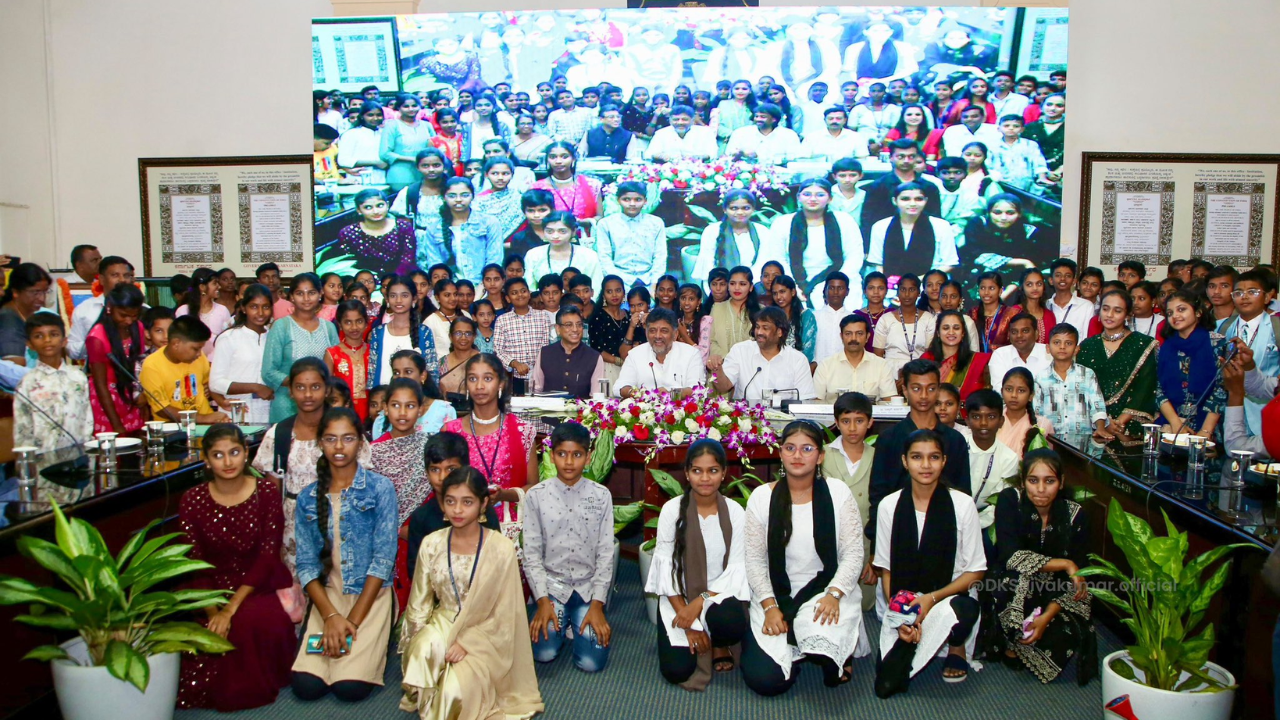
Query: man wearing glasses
point(1254, 291)
point(570, 365)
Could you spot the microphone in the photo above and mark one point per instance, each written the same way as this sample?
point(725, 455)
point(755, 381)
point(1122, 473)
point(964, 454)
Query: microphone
point(759, 368)
point(67, 470)
point(175, 438)
point(654, 373)
point(1217, 378)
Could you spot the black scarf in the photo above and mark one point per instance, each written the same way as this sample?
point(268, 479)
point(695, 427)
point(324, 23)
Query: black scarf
point(885, 66)
point(728, 255)
point(824, 539)
point(835, 250)
point(1056, 539)
point(915, 258)
point(924, 565)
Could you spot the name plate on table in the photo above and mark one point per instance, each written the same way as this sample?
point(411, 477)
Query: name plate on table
point(535, 403)
point(825, 412)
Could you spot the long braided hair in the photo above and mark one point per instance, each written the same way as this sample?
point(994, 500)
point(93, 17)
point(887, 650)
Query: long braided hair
point(705, 446)
point(126, 297)
point(324, 478)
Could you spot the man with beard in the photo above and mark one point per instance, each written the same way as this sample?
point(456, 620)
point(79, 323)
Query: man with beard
point(755, 369)
point(765, 142)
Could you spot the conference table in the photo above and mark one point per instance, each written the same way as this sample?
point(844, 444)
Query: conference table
point(147, 485)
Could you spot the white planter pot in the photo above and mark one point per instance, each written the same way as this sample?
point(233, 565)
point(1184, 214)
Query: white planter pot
point(1146, 703)
point(650, 600)
point(91, 693)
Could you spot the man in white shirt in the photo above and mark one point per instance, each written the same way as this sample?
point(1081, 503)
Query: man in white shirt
point(1068, 307)
point(682, 139)
point(971, 128)
point(765, 142)
point(829, 315)
point(854, 369)
point(1006, 101)
point(753, 369)
point(835, 141)
point(662, 362)
point(1022, 350)
point(112, 270)
point(993, 466)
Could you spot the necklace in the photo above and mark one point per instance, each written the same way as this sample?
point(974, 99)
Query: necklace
point(353, 348)
point(474, 564)
point(490, 421)
point(1118, 335)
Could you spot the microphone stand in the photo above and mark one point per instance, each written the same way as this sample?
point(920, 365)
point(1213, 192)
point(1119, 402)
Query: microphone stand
point(67, 470)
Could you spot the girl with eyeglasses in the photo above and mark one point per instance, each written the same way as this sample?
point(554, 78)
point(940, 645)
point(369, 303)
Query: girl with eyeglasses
point(462, 347)
point(352, 608)
point(804, 556)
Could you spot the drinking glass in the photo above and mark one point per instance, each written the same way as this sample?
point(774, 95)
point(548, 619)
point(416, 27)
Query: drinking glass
point(1195, 467)
point(188, 422)
point(107, 449)
point(26, 469)
point(1231, 482)
point(1151, 439)
point(155, 433)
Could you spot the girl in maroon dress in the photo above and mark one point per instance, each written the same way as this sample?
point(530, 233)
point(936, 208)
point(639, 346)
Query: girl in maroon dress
point(236, 523)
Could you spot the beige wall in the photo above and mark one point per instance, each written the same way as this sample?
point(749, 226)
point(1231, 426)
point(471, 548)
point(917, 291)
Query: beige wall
point(91, 86)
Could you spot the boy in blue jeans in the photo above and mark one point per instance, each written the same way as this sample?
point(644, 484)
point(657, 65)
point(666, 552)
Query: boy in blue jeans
point(568, 555)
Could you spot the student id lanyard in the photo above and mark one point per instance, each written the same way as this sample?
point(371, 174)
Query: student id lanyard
point(915, 330)
point(479, 546)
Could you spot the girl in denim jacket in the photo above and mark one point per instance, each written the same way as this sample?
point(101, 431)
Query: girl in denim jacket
point(346, 533)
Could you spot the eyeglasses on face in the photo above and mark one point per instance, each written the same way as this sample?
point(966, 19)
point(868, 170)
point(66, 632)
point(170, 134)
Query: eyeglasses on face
point(333, 439)
point(1251, 292)
point(805, 450)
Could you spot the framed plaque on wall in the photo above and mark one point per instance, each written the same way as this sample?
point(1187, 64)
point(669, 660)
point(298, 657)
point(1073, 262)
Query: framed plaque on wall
point(1155, 208)
point(233, 212)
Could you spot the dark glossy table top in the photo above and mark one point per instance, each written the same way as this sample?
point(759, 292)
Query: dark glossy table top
point(135, 467)
point(1249, 514)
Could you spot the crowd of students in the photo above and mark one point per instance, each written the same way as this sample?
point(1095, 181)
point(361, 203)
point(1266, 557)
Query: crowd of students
point(455, 180)
point(371, 485)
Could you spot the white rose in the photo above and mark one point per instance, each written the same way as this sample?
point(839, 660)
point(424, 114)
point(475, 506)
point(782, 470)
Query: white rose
point(744, 424)
point(714, 434)
point(691, 425)
point(677, 437)
point(646, 418)
point(679, 415)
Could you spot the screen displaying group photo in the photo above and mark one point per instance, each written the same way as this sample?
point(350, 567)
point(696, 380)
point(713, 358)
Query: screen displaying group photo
point(652, 142)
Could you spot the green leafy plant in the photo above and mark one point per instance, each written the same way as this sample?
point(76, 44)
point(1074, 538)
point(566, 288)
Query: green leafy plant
point(109, 603)
point(1164, 602)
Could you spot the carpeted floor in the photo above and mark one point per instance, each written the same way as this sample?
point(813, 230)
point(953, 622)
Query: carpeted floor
point(632, 688)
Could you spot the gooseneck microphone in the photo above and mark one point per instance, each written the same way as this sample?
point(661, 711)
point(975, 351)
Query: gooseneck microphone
point(759, 368)
point(120, 366)
point(654, 373)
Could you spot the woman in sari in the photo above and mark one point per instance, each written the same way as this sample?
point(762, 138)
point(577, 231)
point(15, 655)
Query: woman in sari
point(1125, 363)
point(1030, 296)
point(465, 649)
point(731, 319)
point(990, 316)
point(1040, 544)
point(957, 362)
point(1190, 397)
point(804, 555)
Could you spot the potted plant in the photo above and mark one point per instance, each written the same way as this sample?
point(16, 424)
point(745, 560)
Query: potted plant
point(1166, 672)
point(125, 661)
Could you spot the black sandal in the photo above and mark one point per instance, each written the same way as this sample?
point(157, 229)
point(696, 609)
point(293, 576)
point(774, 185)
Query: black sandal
point(723, 664)
point(955, 662)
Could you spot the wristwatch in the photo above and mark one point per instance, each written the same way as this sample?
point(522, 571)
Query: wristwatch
point(705, 596)
point(833, 592)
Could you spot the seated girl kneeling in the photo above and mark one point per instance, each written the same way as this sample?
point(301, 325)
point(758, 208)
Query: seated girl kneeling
point(912, 561)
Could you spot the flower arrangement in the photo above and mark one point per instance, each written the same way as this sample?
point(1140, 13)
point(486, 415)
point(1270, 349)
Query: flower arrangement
point(654, 416)
point(696, 176)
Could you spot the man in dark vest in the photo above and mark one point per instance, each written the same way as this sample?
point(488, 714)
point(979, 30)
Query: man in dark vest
point(609, 139)
point(568, 365)
point(879, 203)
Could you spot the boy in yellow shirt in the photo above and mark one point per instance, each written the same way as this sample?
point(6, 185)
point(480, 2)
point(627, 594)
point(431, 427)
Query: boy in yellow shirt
point(178, 374)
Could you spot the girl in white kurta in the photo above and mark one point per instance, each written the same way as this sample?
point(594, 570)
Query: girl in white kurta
point(699, 573)
point(804, 590)
point(917, 530)
point(904, 333)
point(236, 371)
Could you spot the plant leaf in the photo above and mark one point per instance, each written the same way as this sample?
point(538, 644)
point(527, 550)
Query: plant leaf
point(52, 558)
point(45, 653)
point(1111, 599)
point(667, 482)
point(125, 663)
point(1123, 669)
point(171, 569)
point(134, 543)
point(1211, 587)
point(201, 638)
point(52, 622)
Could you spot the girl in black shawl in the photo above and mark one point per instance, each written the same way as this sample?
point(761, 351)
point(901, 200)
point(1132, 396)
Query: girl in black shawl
point(1040, 544)
point(915, 560)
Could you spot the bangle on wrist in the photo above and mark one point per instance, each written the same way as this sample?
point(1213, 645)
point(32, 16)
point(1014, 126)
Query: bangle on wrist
point(335, 612)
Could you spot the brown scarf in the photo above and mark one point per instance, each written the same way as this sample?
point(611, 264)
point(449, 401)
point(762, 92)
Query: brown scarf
point(695, 575)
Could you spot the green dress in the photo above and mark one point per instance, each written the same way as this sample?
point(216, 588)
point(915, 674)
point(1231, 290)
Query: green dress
point(1127, 377)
